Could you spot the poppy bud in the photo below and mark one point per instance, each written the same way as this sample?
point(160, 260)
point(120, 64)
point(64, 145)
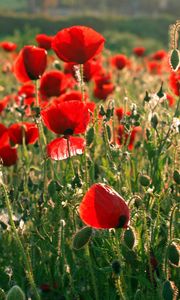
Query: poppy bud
point(90, 136)
point(30, 63)
point(116, 267)
point(173, 254)
point(15, 293)
point(129, 237)
point(154, 120)
point(176, 176)
point(169, 291)
point(147, 98)
point(145, 180)
point(175, 59)
point(82, 237)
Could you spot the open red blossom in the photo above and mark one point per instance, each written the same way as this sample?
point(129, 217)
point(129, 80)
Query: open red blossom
point(170, 99)
point(3, 129)
point(62, 148)
point(4, 102)
point(174, 82)
point(8, 155)
point(44, 41)
point(30, 63)
point(120, 113)
point(53, 83)
point(75, 95)
point(27, 90)
point(8, 46)
point(119, 61)
point(102, 207)
point(67, 118)
point(154, 67)
point(29, 130)
point(139, 51)
point(102, 92)
point(77, 44)
point(90, 69)
point(159, 55)
point(124, 137)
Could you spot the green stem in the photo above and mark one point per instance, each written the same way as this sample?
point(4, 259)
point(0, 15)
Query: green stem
point(25, 256)
point(82, 82)
point(92, 273)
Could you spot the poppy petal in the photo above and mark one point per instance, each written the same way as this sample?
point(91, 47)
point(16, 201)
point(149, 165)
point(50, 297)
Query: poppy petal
point(58, 148)
point(103, 207)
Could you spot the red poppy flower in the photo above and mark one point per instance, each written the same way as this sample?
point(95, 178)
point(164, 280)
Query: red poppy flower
point(3, 129)
point(17, 130)
point(154, 67)
point(27, 90)
point(124, 136)
point(119, 61)
point(4, 102)
point(103, 78)
point(90, 69)
point(159, 55)
point(67, 118)
point(103, 207)
point(77, 44)
point(8, 46)
point(44, 41)
point(170, 99)
point(75, 95)
point(139, 51)
point(8, 155)
point(53, 83)
point(174, 82)
point(120, 113)
point(103, 91)
point(30, 63)
point(59, 148)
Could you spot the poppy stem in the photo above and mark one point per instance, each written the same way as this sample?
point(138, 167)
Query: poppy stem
point(36, 91)
point(82, 81)
point(92, 272)
point(25, 255)
point(70, 158)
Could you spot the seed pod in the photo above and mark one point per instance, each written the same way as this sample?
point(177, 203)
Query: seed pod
point(173, 254)
point(116, 267)
point(169, 291)
point(129, 238)
point(108, 132)
point(154, 120)
point(175, 59)
point(15, 293)
point(145, 180)
point(147, 98)
point(82, 237)
point(176, 176)
point(90, 136)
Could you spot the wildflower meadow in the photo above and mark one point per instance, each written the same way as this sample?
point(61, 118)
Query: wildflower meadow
point(89, 169)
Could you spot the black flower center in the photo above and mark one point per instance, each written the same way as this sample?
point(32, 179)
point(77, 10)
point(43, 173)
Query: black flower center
point(68, 131)
point(122, 221)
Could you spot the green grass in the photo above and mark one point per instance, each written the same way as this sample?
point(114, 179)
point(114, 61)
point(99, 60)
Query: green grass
point(121, 33)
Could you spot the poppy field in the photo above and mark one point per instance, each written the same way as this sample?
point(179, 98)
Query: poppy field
point(89, 179)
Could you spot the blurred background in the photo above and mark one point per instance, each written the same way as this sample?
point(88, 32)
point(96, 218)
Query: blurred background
point(124, 23)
